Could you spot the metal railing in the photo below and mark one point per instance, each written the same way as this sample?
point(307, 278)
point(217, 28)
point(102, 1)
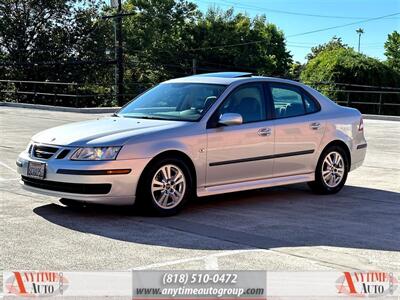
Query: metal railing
point(59, 93)
point(368, 99)
point(379, 103)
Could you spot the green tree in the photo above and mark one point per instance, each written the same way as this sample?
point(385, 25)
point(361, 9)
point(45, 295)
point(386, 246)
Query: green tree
point(346, 66)
point(251, 44)
point(163, 37)
point(51, 41)
point(295, 70)
point(392, 50)
point(334, 43)
point(68, 40)
point(34, 31)
point(155, 39)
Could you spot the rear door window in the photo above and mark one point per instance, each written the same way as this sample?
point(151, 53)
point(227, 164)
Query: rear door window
point(290, 101)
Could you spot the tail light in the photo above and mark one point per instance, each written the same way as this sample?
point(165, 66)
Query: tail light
point(361, 125)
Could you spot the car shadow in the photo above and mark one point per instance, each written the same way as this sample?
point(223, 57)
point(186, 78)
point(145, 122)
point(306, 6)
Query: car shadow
point(291, 216)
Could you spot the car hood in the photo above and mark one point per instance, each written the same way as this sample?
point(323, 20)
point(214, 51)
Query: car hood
point(115, 131)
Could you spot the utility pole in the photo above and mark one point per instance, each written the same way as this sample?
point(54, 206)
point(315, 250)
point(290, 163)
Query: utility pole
point(359, 31)
point(119, 65)
point(194, 63)
point(118, 45)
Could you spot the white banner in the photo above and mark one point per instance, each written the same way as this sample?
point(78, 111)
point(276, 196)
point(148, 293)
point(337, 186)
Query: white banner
point(275, 285)
point(333, 284)
point(54, 283)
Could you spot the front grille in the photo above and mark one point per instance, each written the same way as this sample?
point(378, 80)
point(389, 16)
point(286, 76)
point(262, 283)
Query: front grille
point(44, 152)
point(63, 154)
point(74, 188)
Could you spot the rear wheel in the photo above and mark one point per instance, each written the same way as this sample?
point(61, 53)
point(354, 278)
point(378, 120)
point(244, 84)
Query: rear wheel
point(165, 188)
point(331, 172)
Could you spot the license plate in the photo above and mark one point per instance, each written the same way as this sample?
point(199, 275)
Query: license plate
point(36, 170)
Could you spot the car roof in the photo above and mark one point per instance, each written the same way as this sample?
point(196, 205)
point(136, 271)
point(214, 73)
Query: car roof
point(225, 74)
point(226, 78)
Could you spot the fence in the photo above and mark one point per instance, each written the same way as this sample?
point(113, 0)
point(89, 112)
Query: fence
point(380, 106)
point(368, 99)
point(63, 93)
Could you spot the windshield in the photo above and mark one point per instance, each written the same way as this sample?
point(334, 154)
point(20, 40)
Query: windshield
point(174, 101)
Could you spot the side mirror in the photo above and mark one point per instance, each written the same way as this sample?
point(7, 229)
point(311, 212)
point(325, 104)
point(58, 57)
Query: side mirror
point(228, 119)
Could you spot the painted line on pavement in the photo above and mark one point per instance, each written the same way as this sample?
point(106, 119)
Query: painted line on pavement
point(196, 258)
point(7, 167)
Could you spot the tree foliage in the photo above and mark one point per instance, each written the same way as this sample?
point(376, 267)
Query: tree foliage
point(347, 66)
point(260, 45)
point(155, 38)
point(68, 41)
point(295, 70)
point(164, 37)
point(36, 33)
point(53, 40)
point(334, 43)
point(392, 50)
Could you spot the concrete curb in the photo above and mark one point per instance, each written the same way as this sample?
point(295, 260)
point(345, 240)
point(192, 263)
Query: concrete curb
point(105, 110)
point(85, 110)
point(381, 117)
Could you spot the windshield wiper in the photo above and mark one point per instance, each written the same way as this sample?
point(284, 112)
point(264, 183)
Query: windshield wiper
point(149, 117)
point(146, 117)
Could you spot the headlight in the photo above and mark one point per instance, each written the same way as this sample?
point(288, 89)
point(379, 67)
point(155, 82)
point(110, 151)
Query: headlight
point(96, 153)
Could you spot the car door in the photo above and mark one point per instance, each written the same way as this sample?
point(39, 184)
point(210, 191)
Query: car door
point(299, 129)
point(238, 153)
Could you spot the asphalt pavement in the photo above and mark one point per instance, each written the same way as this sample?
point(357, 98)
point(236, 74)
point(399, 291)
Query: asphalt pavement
point(280, 229)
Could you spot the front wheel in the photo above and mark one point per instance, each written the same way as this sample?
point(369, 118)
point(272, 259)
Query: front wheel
point(165, 188)
point(331, 171)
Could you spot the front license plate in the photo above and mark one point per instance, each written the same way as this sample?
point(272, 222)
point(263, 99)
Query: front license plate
point(36, 170)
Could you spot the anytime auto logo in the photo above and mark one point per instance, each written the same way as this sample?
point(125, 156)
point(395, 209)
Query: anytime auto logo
point(367, 284)
point(36, 283)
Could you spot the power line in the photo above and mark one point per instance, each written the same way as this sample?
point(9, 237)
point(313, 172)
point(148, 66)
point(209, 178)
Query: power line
point(309, 47)
point(299, 46)
point(262, 9)
point(295, 35)
point(226, 46)
point(58, 63)
point(313, 44)
point(344, 25)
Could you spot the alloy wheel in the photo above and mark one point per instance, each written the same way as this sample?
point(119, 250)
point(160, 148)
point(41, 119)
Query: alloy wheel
point(333, 169)
point(168, 186)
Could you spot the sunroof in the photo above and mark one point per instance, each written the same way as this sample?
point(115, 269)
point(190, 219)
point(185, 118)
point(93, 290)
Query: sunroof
point(226, 74)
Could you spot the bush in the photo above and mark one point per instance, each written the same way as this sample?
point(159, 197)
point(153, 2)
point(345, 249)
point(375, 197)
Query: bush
point(347, 66)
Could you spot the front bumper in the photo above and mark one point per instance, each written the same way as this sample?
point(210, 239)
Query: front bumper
point(115, 189)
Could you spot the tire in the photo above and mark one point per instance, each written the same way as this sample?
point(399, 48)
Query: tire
point(165, 186)
point(335, 171)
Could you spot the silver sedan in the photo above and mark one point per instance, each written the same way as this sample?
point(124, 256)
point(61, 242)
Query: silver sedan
point(198, 136)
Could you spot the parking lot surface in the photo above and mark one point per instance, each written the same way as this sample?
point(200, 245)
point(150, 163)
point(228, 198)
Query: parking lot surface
point(283, 228)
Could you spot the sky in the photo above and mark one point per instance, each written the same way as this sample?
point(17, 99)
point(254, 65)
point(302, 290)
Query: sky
point(325, 14)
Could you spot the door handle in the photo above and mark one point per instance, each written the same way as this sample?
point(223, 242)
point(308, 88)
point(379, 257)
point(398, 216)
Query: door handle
point(264, 132)
point(315, 125)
